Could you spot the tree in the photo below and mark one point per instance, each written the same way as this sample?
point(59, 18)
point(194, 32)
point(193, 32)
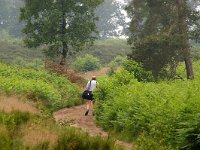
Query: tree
point(153, 28)
point(9, 14)
point(183, 30)
point(112, 19)
point(68, 25)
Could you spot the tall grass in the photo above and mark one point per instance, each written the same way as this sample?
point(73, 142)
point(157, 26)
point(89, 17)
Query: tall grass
point(16, 126)
point(70, 141)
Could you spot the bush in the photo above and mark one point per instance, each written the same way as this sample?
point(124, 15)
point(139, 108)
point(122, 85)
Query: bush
point(115, 63)
point(139, 73)
point(86, 63)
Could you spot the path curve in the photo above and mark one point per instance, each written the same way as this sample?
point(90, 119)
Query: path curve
point(74, 116)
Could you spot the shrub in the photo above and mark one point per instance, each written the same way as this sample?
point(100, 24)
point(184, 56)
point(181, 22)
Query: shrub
point(139, 73)
point(86, 63)
point(115, 63)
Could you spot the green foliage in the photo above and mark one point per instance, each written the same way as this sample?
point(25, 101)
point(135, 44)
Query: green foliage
point(147, 143)
point(166, 111)
point(196, 51)
point(181, 70)
point(16, 118)
point(86, 63)
point(12, 123)
point(36, 63)
point(65, 24)
point(115, 63)
point(57, 91)
point(5, 141)
point(160, 39)
point(13, 51)
point(155, 52)
point(106, 50)
point(12, 136)
point(75, 140)
point(139, 72)
point(188, 131)
point(160, 16)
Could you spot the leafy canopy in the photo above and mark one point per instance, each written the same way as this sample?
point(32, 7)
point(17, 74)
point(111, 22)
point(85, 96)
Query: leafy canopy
point(159, 31)
point(67, 24)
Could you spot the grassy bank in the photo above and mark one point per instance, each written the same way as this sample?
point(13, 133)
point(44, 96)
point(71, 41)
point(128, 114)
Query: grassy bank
point(55, 91)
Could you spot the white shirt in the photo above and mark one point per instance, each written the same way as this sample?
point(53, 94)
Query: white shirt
point(92, 86)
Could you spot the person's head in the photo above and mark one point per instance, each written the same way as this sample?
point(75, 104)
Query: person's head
point(93, 77)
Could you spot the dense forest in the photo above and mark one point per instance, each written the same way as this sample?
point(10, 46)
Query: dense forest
point(145, 56)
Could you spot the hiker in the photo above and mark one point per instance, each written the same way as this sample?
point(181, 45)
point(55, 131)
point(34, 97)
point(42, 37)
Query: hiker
point(91, 85)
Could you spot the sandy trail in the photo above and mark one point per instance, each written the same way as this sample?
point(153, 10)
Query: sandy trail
point(75, 117)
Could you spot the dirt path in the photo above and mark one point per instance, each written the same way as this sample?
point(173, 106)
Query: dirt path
point(75, 117)
point(97, 73)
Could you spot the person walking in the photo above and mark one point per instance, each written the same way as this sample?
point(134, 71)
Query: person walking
point(91, 85)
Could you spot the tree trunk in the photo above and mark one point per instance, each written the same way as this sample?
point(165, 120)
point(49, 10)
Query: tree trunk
point(183, 30)
point(188, 60)
point(64, 53)
point(64, 43)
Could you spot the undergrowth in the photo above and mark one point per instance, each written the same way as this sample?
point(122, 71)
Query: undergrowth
point(18, 131)
point(167, 111)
